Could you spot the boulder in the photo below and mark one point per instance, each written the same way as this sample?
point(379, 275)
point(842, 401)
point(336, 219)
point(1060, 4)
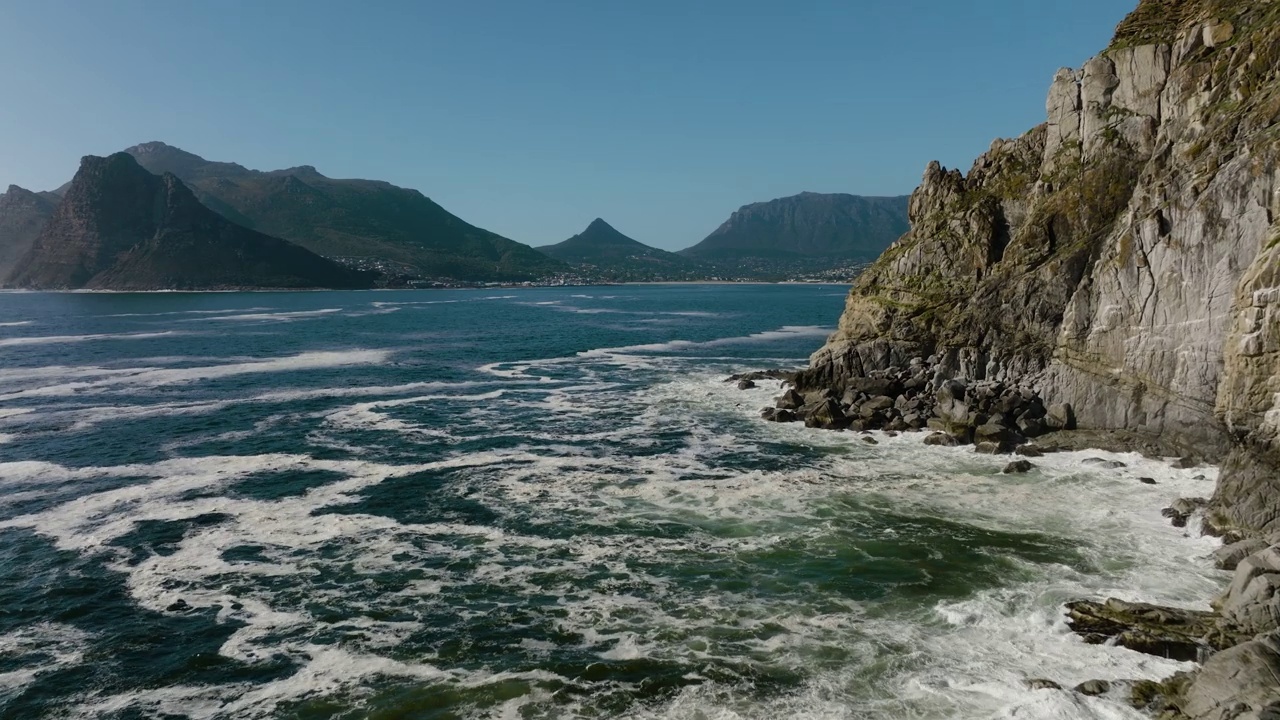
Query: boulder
point(1240, 683)
point(790, 400)
point(941, 438)
point(987, 448)
point(870, 440)
point(1256, 608)
point(1060, 417)
point(1093, 687)
point(1147, 480)
point(827, 415)
point(1182, 509)
point(1001, 435)
point(1028, 451)
point(746, 384)
point(1166, 632)
point(1032, 427)
point(1251, 604)
point(1228, 557)
point(1104, 463)
point(1042, 684)
point(1018, 466)
point(778, 415)
point(876, 404)
point(950, 403)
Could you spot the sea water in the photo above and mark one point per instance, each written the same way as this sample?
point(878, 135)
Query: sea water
point(533, 503)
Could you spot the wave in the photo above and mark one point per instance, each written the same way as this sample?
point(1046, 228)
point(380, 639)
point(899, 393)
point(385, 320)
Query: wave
point(57, 339)
point(276, 317)
point(225, 311)
point(156, 377)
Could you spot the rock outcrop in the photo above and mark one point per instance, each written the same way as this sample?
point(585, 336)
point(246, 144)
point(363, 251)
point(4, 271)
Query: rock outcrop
point(1123, 260)
point(119, 227)
point(23, 215)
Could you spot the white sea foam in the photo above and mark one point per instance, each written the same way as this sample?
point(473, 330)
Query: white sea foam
point(224, 311)
point(18, 323)
point(622, 594)
point(37, 650)
point(274, 317)
point(60, 339)
point(156, 377)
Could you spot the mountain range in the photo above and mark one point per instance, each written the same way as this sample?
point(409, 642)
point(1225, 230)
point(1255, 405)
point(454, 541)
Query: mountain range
point(360, 220)
point(120, 227)
point(407, 239)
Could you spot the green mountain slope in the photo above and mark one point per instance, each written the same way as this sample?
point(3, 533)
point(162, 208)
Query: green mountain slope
point(350, 219)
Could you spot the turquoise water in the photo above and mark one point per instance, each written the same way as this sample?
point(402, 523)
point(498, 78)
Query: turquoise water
point(540, 503)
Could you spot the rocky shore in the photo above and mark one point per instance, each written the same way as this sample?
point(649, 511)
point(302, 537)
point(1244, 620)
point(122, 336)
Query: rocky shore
point(1110, 278)
point(1238, 641)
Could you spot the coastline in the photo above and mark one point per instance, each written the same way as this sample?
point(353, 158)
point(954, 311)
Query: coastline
point(1234, 660)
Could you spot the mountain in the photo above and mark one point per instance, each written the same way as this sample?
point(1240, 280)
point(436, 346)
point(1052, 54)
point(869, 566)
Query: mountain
point(120, 227)
point(23, 215)
point(604, 251)
point(360, 221)
point(831, 227)
point(1122, 262)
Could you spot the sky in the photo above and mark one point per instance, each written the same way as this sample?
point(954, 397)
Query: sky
point(530, 118)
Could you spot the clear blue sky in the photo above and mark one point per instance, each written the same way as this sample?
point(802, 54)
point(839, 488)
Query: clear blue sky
point(532, 117)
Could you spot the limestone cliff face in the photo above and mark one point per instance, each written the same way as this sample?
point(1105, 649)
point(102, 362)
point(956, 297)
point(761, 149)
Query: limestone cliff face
point(1123, 257)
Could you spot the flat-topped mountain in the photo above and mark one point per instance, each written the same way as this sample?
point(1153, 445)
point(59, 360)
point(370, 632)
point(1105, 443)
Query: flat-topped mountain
point(120, 227)
point(23, 215)
point(602, 248)
point(809, 225)
point(365, 220)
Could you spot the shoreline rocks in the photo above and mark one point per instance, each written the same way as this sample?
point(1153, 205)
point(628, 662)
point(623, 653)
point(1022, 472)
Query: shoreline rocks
point(1238, 642)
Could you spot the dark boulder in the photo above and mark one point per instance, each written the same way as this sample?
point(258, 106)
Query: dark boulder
point(1172, 633)
point(790, 400)
point(942, 439)
point(778, 415)
point(827, 415)
point(1018, 466)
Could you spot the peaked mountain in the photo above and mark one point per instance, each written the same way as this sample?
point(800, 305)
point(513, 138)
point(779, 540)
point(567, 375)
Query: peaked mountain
point(23, 215)
point(120, 227)
point(808, 225)
point(603, 249)
point(364, 221)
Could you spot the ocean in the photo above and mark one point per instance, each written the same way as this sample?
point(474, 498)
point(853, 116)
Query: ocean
point(527, 503)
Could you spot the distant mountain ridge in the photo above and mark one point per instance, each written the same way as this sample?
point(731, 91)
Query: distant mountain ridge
point(120, 227)
point(834, 226)
point(601, 247)
point(23, 214)
point(360, 219)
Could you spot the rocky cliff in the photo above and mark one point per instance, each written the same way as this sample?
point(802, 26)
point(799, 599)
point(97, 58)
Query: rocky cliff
point(23, 215)
point(1121, 259)
point(120, 227)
